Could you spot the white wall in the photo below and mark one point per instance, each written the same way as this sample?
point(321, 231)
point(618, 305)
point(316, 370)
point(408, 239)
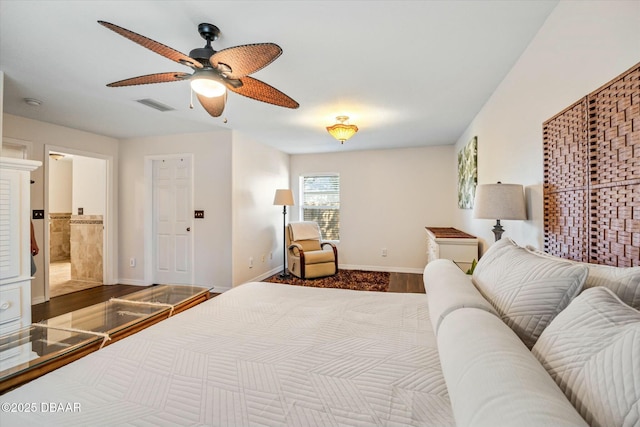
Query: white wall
point(258, 170)
point(1, 105)
point(387, 197)
point(60, 184)
point(212, 193)
point(41, 134)
point(88, 186)
point(581, 46)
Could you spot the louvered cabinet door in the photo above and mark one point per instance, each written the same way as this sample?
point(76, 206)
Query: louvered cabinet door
point(15, 244)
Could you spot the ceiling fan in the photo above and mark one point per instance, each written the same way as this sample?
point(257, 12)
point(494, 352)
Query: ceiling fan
point(213, 71)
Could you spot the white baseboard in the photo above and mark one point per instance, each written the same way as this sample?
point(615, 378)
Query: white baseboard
point(380, 268)
point(38, 300)
point(263, 276)
point(132, 282)
point(220, 289)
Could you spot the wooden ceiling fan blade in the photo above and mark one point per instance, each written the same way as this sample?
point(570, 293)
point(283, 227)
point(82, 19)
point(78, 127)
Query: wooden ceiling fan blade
point(151, 78)
point(153, 45)
point(246, 59)
point(214, 106)
point(260, 91)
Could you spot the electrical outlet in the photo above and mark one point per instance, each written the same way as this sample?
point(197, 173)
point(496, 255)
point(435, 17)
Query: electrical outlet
point(251, 262)
point(132, 262)
point(383, 252)
point(263, 257)
point(270, 255)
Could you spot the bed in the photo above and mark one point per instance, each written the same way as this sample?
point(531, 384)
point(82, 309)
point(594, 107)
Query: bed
point(260, 354)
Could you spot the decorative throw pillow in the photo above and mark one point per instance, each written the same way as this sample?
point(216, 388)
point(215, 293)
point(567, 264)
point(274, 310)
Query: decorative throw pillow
point(623, 281)
point(592, 351)
point(528, 291)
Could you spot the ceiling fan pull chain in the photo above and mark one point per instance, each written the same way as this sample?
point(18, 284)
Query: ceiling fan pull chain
point(191, 100)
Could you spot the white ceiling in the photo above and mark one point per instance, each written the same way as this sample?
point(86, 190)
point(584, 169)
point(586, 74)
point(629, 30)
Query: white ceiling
point(408, 73)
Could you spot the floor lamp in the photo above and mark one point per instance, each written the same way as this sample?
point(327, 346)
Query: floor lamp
point(499, 201)
point(284, 197)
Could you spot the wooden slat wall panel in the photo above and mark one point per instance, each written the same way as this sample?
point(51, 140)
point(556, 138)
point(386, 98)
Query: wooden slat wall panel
point(566, 224)
point(565, 183)
point(565, 154)
point(614, 131)
point(614, 152)
point(615, 225)
point(592, 203)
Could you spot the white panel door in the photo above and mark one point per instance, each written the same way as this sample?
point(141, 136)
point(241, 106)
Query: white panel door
point(172, 207)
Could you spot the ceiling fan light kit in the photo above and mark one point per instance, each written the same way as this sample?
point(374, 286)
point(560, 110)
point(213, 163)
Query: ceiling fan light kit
point(214, 72)
point(208, 87)
point(341, 130)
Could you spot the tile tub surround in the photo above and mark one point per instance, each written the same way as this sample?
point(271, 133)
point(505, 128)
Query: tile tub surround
point(86, 247)
point(60, 236)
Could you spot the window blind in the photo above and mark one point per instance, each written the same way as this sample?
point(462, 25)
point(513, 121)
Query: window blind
point(321, 203)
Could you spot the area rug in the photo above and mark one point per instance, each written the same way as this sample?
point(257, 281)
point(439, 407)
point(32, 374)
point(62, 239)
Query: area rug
point(358, 280)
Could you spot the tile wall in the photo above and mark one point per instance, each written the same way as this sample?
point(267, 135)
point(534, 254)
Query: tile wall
point(86, 247)
point(59, 236)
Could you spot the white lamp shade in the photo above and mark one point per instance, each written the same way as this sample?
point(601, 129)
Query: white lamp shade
point(499, 201)
point(284, 197)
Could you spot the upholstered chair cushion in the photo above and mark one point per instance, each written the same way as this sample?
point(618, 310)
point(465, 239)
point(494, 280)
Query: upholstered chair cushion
point(307, 246)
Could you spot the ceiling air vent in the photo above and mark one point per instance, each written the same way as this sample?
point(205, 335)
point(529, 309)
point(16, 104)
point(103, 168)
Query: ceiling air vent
point(155, 104)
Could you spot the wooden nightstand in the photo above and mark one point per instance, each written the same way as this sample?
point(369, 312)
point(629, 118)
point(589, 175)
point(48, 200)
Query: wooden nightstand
point(453, 244)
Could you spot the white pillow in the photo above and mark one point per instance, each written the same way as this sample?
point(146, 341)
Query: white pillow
point(592, 350)
point(623, 281)
point(528, 291)
point(448, 289)
point(493, 379)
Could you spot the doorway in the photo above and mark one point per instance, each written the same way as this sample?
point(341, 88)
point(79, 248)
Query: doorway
point(76, 211)
point(169, 219)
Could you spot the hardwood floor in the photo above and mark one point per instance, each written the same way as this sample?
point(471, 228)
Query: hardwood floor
point(69, 302)
point(406, 282)
point(398, 282)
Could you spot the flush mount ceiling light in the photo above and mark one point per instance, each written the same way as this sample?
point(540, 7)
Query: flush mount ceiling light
point(342, 131)
point(33, 102)
point(56, 156)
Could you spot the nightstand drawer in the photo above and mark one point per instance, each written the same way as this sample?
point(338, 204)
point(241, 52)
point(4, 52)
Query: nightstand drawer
point(10, 304)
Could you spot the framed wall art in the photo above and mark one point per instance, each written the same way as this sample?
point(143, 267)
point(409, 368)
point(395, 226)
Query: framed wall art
point(467, 174)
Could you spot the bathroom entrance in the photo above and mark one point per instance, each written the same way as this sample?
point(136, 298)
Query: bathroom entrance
point(76, 212)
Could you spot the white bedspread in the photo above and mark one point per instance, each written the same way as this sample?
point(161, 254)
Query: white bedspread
point(260, 354)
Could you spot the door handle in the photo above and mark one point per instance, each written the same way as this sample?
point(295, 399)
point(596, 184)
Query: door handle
point(188, 228)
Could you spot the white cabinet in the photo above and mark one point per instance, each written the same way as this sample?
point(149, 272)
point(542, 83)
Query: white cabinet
point(453, 244)
point(15, 243)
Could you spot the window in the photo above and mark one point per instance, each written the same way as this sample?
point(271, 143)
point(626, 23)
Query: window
point(320, 202)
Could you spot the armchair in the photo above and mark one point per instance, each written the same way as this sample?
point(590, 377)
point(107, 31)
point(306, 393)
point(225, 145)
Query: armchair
point(307, 255)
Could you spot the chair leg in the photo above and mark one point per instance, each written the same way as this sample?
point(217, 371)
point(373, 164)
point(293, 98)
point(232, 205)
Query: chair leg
point(335, 256)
